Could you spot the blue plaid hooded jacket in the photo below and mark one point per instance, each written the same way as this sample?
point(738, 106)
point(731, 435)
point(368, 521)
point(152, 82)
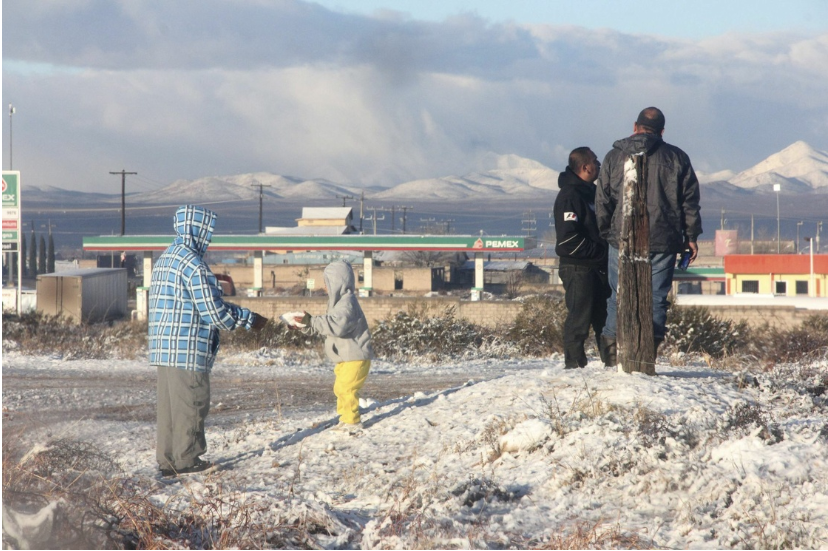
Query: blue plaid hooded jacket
point(186, 310)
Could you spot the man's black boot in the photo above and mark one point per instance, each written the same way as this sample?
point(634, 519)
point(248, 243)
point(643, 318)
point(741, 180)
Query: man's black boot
point(574, 357)
point(608, 350)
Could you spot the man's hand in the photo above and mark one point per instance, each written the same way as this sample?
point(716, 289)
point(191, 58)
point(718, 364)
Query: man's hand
point(693, 246)
point(257, 322)
point(304, 319)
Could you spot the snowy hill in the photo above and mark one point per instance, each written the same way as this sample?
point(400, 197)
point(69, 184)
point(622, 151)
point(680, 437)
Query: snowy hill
point(710, 177)
point(523, 454)
point(245, 187)
point(509, 176)
point(799, 167)
point(502, 176)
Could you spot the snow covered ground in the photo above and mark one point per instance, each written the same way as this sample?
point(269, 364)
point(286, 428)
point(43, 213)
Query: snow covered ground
point(518, 454)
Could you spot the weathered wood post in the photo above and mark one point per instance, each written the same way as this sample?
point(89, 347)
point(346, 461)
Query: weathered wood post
point(636, 346)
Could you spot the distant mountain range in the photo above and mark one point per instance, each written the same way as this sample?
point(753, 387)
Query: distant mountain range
point(799, 169)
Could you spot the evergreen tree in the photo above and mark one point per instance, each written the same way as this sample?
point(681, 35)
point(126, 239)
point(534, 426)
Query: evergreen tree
point(50, 256)
point(33, 257)
point(41, 256)
point(23, 254)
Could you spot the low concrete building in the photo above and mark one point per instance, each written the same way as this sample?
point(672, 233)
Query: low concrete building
point(777, 274)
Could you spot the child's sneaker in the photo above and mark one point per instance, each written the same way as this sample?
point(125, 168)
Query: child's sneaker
point(348, 428)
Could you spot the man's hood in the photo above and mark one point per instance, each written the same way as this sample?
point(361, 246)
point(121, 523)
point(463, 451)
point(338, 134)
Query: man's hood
point(638, 144)
point(567, 178)
point(339, 279)
point(194, 226)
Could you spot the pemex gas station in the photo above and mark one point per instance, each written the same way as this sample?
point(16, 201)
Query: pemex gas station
point(147, 245)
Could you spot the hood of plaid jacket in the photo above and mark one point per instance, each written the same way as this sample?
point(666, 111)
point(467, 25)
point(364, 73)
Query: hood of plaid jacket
point(194, 226)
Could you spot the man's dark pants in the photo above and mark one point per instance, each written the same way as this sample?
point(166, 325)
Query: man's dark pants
point(183, 404)
point(586, 301)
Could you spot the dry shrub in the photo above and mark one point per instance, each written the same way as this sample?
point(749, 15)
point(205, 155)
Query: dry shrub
point(38, 333)
point(476, 489)
point(744, 417)
point(594, 536)
point(222, 519)
point(807, 342)
point(73, 478)
point(97, 506)
point(491, 433)
point(272, 335)
point(419, 333)
point(584, 406)
point(694, 329)
point(538, 329)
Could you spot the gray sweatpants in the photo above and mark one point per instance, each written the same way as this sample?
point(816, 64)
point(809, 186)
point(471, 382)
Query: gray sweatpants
point(183, 403)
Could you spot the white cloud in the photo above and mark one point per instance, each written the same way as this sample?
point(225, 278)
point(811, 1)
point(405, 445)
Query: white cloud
point(191, 89)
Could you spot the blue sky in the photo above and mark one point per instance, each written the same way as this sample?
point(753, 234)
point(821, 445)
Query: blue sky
point(379, 93)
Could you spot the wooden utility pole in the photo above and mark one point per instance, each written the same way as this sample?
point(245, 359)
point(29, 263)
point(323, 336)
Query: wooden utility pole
point(344, 198)
point(261, 198)
point(374, 218)
point(123, 174)
point(361, 210)
point(405, 211)
point(636, 344)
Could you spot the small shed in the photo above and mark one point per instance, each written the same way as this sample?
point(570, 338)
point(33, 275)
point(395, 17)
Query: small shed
point(85, 295)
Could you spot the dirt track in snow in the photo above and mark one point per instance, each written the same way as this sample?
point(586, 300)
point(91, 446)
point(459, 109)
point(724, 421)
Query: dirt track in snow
point(29, 397)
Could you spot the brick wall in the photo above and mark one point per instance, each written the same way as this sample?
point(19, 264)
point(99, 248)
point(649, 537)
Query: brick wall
point(491, 313)
point(487, 313)
point(416, 280)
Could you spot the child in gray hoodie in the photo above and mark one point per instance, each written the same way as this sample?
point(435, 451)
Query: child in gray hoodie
point(347, 341)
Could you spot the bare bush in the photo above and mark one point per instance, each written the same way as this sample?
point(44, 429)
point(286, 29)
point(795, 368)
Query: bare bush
point(593, 536)
point(38, 333)
point(694, 329)
point(272, 335)
point(743, 418)
point(538, 329)
point(807, 342)
point(418, 333)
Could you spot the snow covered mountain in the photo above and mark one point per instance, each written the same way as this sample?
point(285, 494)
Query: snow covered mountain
point(245, 187)
point(507, 176)
point(798, 168)
point(503, 176)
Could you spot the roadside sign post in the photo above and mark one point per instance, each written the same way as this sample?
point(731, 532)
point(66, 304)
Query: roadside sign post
point(12, 229)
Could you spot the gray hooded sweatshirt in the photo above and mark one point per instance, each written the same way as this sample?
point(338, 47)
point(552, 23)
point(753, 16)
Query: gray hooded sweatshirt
point(344, 326)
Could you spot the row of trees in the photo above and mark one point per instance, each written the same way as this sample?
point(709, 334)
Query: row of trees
point(37, 260)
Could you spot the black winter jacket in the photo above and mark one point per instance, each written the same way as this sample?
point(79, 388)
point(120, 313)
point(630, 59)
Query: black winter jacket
point(576, 229)
point(672, 193)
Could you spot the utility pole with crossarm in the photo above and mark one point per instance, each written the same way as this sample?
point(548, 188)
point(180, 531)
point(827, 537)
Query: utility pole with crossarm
point(123, 174)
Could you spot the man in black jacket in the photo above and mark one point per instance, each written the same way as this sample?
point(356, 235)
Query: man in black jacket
point(672, 206)
point(582, 253)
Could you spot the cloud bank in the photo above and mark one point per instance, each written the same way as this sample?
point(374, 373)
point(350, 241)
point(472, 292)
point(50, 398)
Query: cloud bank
point(199, 88)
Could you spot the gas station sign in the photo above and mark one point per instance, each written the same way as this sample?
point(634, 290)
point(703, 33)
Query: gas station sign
point(11, 211)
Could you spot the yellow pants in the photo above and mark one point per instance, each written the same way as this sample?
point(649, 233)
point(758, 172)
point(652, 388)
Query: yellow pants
point(350, 377)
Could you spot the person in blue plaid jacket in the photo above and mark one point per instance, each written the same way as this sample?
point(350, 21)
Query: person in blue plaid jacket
point(186, 312)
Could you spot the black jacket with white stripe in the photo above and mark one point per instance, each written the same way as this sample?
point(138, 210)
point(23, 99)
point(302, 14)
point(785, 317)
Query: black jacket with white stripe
point(575, 225)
